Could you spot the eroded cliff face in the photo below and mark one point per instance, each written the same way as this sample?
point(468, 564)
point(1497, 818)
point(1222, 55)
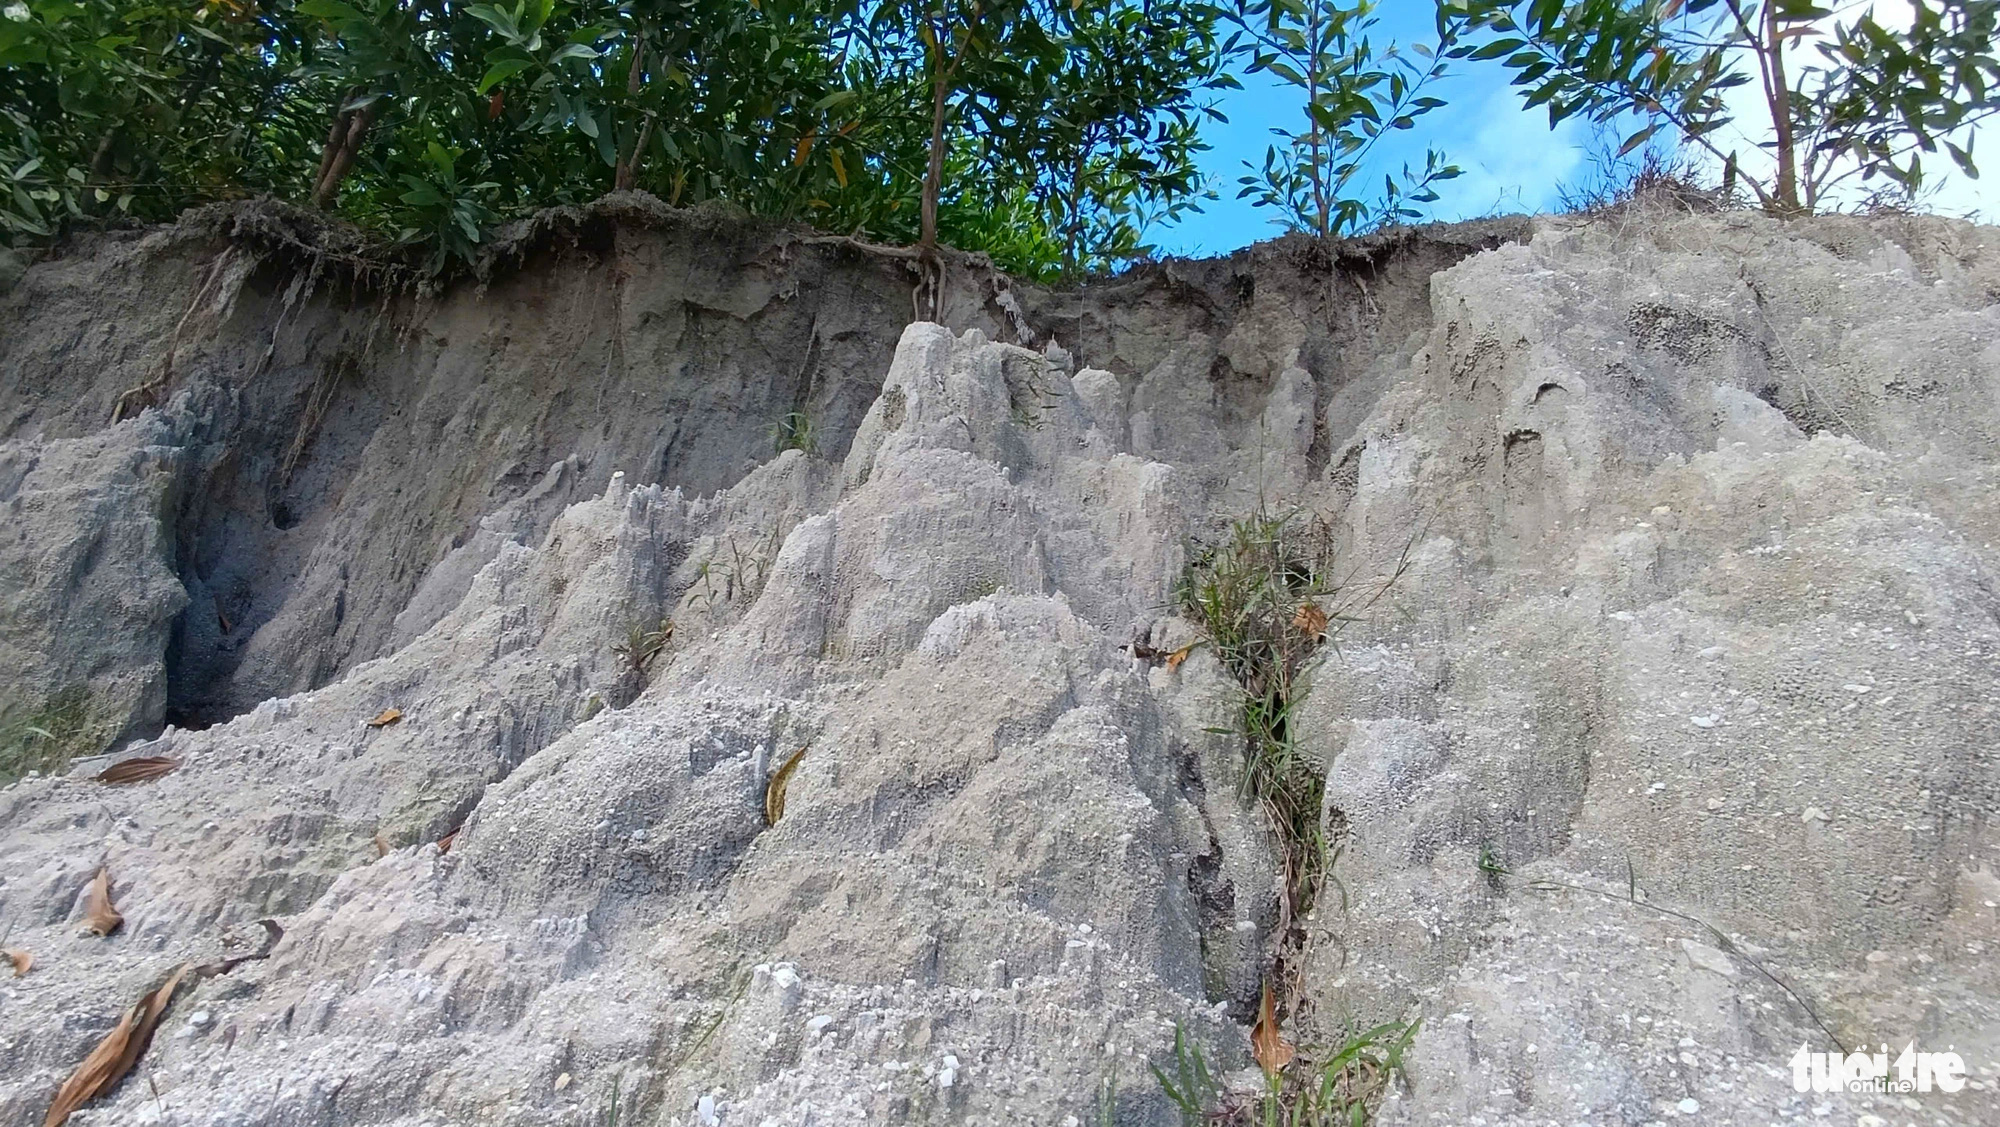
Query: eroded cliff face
point(1691, 524)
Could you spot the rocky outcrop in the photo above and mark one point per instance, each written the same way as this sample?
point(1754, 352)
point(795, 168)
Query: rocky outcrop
point(1666, 748)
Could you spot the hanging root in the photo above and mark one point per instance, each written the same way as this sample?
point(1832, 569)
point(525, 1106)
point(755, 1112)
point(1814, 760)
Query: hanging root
point(133, 400)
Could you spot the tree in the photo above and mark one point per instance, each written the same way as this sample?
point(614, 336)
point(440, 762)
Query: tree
point(1869, 101)
point(1353, 97)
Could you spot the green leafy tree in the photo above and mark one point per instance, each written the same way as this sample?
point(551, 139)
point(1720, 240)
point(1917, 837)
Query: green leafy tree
point(111, 108)
point(1868, 100)
point(1353, 96)
point(1047, 132)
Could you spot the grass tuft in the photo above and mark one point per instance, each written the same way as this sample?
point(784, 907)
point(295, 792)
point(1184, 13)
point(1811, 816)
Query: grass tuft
point(1268, 601)
point(641, 645)
point(1333, 1087)
point(47, 738)
point(796, 431)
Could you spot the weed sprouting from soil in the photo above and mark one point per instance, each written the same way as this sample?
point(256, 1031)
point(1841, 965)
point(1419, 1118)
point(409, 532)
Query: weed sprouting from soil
point(1269, 599)
point(641, 645)
point(45, 739)
point(1332, 1087)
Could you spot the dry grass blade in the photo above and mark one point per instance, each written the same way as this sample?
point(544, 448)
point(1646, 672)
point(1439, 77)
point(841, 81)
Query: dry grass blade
point(386, 717)
point(774, 790)
point(140, 770)
point(117, 1053)
point(100, 918)
point(23, 962)
point(445, 842)
point(1267, 1043)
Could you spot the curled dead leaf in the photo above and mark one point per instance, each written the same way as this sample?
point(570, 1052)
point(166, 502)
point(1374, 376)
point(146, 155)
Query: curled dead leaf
point(1175, 658)
point(23, 962)
point(444, 843)
point(1267, 1044)
point(117, 1053)
point(386, 717)
point(1310, 620)
point(100, 918)
point(774, 790)
point(140, 770)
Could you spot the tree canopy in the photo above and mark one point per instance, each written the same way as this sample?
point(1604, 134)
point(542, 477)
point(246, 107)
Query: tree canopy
point(1050, 134)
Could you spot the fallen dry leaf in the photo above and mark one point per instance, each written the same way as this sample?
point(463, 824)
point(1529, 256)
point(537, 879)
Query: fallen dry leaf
point(23, 962)
point(1310, 620)
point(1175, 658)
point(117, 1053)
point(444, 843)
point(774, 790)
point(140, 770)
point(386, 717)
point(99, 917)
point(1267, 1044)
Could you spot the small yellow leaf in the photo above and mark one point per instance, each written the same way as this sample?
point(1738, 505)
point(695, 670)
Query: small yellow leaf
point(774, 791)
point(99, 917)
point(805, 147)
point(23, 962)
point(1175, 658)
point(1310, 620)
point(1267, 1044)
point(386, 717)
point(839, 168)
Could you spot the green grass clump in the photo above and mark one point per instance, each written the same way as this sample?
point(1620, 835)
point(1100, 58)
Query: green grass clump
point(1260, 599)
point(47, 738)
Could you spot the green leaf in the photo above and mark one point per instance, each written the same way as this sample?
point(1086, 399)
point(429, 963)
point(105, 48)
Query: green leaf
point(1639, 138)
point(330, 10)
point(501, 71)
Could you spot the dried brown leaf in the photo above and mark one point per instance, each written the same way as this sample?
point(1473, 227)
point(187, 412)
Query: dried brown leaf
point(1175, 658)
point(1310, 620)
point(1267, 1044)
point(100, 918)
point(444, 843)
point(774, 790)
point(386, 717)
point(117, 1053)
point(23, 961)
point(140, 770)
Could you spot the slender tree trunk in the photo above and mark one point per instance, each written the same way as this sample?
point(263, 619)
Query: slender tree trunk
point(628, 165)
point(343, 143)
point(928, 301)
point(1312, 123)
point(934, 171)
point(1778, 90)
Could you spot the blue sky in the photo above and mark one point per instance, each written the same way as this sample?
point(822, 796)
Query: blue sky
point(1512, 162)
